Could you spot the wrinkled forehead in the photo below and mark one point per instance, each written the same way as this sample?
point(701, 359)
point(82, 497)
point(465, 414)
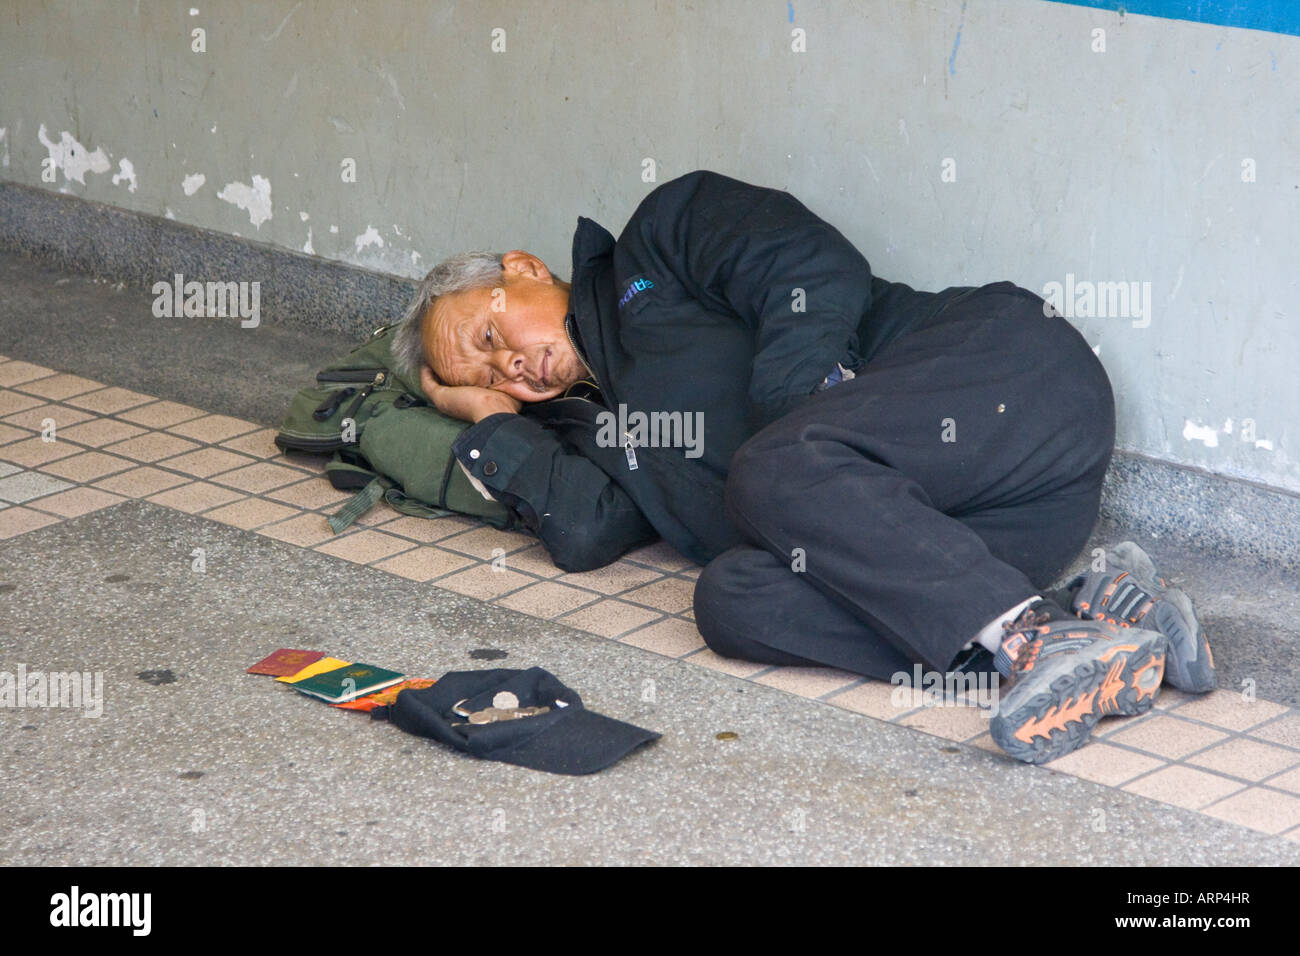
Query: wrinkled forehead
point(449, 335)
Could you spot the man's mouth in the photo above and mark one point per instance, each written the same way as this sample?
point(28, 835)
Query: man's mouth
point(543, 381)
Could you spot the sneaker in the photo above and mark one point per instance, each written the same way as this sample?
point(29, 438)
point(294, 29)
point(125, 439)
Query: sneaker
point(1130, 593)
point(1065, 675)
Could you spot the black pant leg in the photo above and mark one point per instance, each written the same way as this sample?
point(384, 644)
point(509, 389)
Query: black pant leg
point(919, 540)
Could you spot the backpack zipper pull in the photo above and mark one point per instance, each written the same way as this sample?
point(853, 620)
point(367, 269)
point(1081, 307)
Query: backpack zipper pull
point(631, 454)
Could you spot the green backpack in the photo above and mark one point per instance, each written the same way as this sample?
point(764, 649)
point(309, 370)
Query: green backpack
point(388, 441)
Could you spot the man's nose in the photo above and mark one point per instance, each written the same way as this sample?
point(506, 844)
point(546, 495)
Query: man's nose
point(509, 362)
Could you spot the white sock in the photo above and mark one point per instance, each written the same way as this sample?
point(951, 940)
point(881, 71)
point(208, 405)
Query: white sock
point(990, 636)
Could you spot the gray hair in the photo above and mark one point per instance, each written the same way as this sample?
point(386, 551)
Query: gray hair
point(459, 273)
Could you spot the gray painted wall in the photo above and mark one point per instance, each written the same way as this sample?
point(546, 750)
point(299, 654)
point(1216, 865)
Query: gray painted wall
point(1132, 164)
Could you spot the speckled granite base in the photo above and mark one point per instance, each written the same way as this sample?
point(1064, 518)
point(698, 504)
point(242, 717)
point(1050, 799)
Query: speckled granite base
point(1219, 515)
point(1216, 514)
point(120, 244)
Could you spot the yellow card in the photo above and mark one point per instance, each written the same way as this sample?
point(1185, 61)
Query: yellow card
point(311, 670)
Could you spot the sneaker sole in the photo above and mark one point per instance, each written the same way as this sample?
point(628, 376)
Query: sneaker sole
point(1053, 712)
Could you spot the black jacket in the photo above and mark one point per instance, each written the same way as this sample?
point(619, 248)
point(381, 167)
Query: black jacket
point(718, 297)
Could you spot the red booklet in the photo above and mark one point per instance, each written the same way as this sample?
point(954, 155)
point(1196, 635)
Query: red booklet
point(285, 661)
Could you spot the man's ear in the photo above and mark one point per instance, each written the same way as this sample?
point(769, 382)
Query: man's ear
point(520, 263)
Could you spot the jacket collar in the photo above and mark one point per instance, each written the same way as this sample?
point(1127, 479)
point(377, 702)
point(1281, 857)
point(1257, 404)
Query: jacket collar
point(591, 294)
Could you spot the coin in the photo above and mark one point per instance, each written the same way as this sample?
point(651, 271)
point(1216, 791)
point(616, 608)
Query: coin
point(505, 700)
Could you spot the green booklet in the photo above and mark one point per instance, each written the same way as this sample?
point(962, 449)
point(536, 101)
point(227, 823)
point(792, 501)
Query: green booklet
point(348, 683)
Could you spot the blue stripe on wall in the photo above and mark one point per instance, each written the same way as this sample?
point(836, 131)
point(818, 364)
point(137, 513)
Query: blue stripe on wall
point(1275, 16)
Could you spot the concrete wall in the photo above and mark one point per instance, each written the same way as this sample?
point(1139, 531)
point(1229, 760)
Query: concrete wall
point(954, 141)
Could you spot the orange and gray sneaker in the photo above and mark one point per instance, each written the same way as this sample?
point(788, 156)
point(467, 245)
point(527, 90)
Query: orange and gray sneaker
point(1131, 593)
point(1065, 675)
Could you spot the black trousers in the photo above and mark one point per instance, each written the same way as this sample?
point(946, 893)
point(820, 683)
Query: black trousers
point(891, 517)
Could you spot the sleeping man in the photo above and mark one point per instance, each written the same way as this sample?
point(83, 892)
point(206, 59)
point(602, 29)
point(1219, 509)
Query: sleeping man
point(875, 478)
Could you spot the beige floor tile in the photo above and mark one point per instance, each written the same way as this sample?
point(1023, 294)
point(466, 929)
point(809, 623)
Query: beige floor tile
point(951, 723)
point(672, 595)
point(1258, 809)
point(546, 599)
point(878, 699)
point(381, 513)
point(141, 482)
point(259, 444)
point(1284, 731)
point(534, 560)
point(808, 681)
point(212, 428)
point(36, 417)
point(205, 462)
point(100, 432)
point(87, 466)
point(481, 542)
point(670, 636)
point(259, 477)
point(1099, 762)
point(362, 547)
point(36, 452)
point(11, 401)
point(661, 555)
point(1248, 759)
point(58, 387)
point(18, 373)
point(251, 513)
point(428, 530)
point(1228, 709)
point(727, 665)
point(1289, 781)
point(1165, 736)
point(18, 520)
point(305, 530)
point(424, 563)
point(8, 434)
point(609, 618)
point(151, 447)
point(312, 493)
point(484, 583)
point(77, 501)
point(613, 578)
point(108, 401)
point(195, 496)
point(1171, 697)
point(1183, 787)
point(160, 414)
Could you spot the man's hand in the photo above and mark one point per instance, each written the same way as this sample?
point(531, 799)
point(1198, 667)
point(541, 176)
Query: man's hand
point(469, 403)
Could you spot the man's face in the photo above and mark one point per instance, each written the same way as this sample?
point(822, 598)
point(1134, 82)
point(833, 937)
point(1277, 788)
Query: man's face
point(509, 338)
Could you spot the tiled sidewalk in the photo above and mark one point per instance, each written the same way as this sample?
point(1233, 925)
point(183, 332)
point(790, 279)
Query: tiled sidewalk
point(1220, 754)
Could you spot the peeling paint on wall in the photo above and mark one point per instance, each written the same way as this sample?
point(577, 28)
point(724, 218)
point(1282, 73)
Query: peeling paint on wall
point(1202, 433)
point(370, 237)
point(125, 174)
point(254, 199)
point(192, 183)
point(73, 158)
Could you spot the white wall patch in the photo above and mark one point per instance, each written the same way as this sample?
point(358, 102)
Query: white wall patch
point(73, 158)
point(254, 199)
point(306, 247)
point(4, 148)
point(1203, 433)
point(125, 174)
point(370, 237)
point(192, 183)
